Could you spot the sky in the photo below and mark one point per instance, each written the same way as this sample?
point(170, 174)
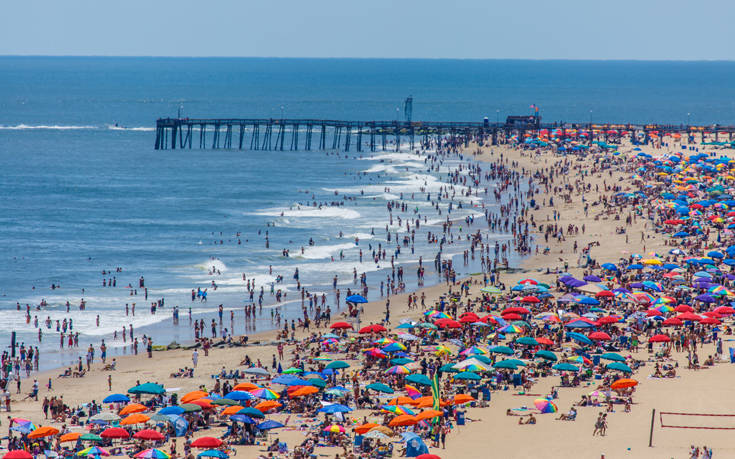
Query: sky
point(462, 29)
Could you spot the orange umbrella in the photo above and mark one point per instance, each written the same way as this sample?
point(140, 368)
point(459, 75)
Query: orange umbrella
point(135, 418)
point(364, 428)
point(623, 383)
point(267, 405)
point(459, 399)
point(306, 390)
point(195, 395)
point(402, 400)
point(230, 410)
point(428, 401)
point(133, 408)
point(403, 420)
point(71, 436)
point(428, 414)
point(245, 386)
point(203, 402)
point(41, 432)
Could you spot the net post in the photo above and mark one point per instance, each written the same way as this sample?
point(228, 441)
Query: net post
point(650, 437)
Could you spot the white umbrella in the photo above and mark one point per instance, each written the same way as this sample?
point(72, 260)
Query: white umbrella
point(256, 371)
point(105, 416)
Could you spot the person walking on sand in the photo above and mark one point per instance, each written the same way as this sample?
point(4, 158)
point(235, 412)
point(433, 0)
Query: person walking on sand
point(195, 358)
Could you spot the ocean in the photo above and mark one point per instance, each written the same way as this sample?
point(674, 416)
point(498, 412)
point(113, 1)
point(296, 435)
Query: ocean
point(84, 191)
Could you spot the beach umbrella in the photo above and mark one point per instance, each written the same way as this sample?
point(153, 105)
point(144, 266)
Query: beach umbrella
point(152, 453)
point(461, 399)
point(397, 409)
point(93, 451)
point(545, 406)
point(292, 370)
point(428, 456)
point(507, 364)
point(303, 391)
point(177, 410)
point(149, 434)
point(147, 388)
point(613, 356)
point(71, 436)
point(244, 387)
point(468, 375)
point(17, 454)
point(90, 437)
point(659, 339)
point(599, 336)
point(337, 365)
point(356, 299)
point(527, 341)
point(239, 395)
point(214, 453)
point(317, 382)
point(265, 394)
point(565, 367)
point(579, 337)
point(419, 379)
point(224, 402)
point(286, 380)
point(546, 355)
point(135, 418)
point(251, 412)
point(403, 420)
point(544, 341)
point(194, 395)
point(115, 432)
point(258, 371)
point(270, 424)
point(380, 387)
point(374, 328)
point(42, 432)
point(335, 408)
point(620, 366)
point(429, 414)
point(105, 416)
point(133, 408)
point(242, 418)
point(364, 428)
point(340, 326)
point(501, 350)
point(334, 428)
point(116, 398)
point(267, 405)
point(190, 407)
point(206, 442)
point(623, 383)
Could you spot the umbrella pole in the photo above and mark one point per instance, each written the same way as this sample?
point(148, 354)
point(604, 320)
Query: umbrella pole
point(650, 437)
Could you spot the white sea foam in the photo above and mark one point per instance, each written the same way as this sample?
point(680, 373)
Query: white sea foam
point(311, 212)
point(20, 127)
point(122, 128)
point(318, 252)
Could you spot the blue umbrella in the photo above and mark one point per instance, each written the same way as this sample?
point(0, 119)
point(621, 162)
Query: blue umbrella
point(565, 367)
point(613, 356)
point(116, 398)
point(356, 299)
point(635, 266)
point(172, 410)
point(579, 338)
point(239, 395)
point(213, 453)
point(335, 408)
point(609, 267)
point(269, 424)
point(579, 324)
point(289, 380)
point(242, 418)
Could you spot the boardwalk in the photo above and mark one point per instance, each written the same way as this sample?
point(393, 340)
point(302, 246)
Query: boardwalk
point(316, 134)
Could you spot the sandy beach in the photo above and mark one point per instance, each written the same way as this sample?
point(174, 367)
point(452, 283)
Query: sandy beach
point(489, 431)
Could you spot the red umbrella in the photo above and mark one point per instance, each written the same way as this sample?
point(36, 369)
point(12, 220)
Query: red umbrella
point(340, 325)
point(206, 442)
point(530, 299)
point(469, 317)
point(519, 309)
point(725, 310)
point(673, 321)
point(712, 314)
point(710, 321)
point(149, 434)
point(17, 454)
point(689, 316)
point(544, 341)
point(204, 403)
point(659, 339)
point(608, 320)
point(448, 323)
point(604, 294)
point(115, 432)
point(374, 328)
point(599, 336)
point(684, 308)
point(428, 456)
point(512, 316)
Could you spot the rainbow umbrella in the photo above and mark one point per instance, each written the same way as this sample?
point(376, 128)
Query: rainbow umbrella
point(383, 341)
point(153, 453)
point(397, 409)
point(93, 451)
point(265, 394)
point(511, 329)
point(664, 308)
point(334, 428)
point(374, 352)
point(398, 370)
point(394, 347)
point(440, 315)
point(545, 406)
point(412, 391)
point(474, 350)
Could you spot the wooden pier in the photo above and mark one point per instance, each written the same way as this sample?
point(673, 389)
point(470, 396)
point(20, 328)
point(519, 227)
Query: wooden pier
point(315, 134)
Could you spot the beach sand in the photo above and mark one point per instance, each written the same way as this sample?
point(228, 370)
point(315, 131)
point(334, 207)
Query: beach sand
point(491, 433)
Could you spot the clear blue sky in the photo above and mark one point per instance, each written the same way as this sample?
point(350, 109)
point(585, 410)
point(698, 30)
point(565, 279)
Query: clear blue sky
point(534, 29)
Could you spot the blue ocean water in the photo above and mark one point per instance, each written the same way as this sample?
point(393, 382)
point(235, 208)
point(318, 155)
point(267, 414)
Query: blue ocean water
point(83, 190)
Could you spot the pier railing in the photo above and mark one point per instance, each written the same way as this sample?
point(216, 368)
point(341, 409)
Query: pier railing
point(318, 134)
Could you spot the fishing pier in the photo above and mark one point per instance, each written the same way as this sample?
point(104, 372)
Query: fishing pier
point(316, 134)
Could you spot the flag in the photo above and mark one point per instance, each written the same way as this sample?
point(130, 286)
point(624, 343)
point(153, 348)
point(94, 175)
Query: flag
point(435, 394)
point(412, 391)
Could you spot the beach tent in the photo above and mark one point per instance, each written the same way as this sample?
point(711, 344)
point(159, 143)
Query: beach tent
point(415, 446)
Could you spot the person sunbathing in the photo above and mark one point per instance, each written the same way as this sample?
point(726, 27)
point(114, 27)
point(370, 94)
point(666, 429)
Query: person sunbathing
point(571, 416)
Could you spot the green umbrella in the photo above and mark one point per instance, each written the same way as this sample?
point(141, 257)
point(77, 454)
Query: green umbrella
point(449, 367)
point(613, 356)
point(160, 418)
point(292, 370)
point(337, 365)
point(380, 387)
point(619, 366)
point(527, 341)
point(520, 363)
point(90, 437)
point(317, 382)
point(224, 401)
point(565, 367)
point(483, 358)
point(428, 325)
point(547, 355)
point(147, 388)
point(507, 364)
point(400, 361)
point(419, 379)
point(492, 290)
point(468, 375)
point(190, 407)
point(252, 412)
point(501, 350)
